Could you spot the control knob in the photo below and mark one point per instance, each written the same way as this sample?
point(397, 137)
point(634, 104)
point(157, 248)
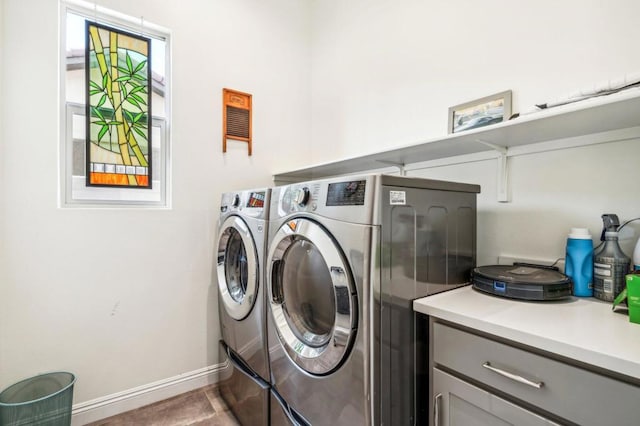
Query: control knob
point(236, 201)
point(301, 196)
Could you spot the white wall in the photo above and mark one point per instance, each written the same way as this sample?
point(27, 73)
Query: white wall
point(384, 74)
point(127, 297)
point(550, 193)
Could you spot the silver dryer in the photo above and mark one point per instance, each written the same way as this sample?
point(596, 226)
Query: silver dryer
point(346, 258)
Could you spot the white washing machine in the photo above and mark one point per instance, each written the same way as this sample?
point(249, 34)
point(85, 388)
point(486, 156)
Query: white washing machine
point(241, 249)
point(346, 258)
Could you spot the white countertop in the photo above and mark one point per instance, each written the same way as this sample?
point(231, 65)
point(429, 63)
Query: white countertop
point(584, 329)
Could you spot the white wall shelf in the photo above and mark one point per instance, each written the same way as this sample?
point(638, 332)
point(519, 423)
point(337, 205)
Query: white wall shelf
point(605, 115)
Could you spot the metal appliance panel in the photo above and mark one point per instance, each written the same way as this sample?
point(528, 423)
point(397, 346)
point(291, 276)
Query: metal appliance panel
point(245, 331)
point(428, 246)
point(283, 415)
point(341, 397)
point(244, 391)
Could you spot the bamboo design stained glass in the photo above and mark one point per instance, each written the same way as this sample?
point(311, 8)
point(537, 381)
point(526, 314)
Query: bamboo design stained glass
point(118, 93)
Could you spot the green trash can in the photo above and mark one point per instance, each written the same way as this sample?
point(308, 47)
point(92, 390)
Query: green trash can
point(43, 400)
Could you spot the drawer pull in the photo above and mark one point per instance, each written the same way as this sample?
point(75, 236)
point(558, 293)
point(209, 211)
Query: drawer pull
point(512, 376)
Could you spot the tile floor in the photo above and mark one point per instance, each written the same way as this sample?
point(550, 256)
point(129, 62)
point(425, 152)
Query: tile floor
point(200, 407)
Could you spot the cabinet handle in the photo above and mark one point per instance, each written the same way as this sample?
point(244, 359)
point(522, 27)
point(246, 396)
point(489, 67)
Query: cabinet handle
point(436, 409)
point(513, 376)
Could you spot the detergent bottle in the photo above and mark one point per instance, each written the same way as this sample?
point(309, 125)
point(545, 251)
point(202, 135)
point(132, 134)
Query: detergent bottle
point(579, 261)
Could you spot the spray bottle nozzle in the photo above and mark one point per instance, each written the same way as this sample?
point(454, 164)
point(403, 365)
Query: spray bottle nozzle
point(610, 223)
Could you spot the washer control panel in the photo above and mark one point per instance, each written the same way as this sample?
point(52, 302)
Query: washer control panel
point(251, 203)
point(236, 201)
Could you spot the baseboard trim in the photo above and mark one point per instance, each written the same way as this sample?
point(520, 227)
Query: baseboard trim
point(110, 405)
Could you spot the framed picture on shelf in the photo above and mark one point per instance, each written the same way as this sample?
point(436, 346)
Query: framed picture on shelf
point(480, 112)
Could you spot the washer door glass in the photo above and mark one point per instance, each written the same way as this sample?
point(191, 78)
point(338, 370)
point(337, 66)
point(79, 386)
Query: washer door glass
point(237, 267)
point(312, 296)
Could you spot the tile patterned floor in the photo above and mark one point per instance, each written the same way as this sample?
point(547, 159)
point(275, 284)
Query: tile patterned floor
point(200, 407)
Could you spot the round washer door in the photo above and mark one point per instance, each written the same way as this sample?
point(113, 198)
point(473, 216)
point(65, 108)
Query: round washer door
point(237, 267)
point(312, 296)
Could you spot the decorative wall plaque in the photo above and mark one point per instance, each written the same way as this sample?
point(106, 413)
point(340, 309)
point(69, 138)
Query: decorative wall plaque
point(236, 117)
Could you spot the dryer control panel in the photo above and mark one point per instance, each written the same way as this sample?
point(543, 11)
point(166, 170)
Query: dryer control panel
point(349, 199)
point(299, 198)
point(349, 193)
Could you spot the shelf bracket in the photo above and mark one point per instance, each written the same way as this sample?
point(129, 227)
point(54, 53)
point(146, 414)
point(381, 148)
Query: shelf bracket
point(503, 179)
point(400, 166)
point(503, 171)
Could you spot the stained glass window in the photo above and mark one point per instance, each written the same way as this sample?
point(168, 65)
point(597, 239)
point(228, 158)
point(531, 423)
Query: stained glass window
point(76, 92)
point(118, 108)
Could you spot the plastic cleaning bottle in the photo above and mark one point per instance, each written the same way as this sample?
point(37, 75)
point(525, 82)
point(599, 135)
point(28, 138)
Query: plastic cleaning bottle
point(610, 265)
point(579, 261)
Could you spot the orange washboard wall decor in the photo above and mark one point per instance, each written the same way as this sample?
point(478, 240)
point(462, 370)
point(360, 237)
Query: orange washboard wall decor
point(236, 117)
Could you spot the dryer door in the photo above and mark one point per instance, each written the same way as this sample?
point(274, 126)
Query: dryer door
point(312, 296)
point(237, 267)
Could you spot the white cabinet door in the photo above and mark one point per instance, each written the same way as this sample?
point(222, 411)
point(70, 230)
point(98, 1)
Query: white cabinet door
point(458, 403)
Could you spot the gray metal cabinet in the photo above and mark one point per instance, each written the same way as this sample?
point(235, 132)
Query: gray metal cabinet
point(459, 403)
point(561, 390)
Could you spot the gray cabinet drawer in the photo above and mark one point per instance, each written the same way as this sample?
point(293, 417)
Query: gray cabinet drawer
point(573, 393)
point(458, 403)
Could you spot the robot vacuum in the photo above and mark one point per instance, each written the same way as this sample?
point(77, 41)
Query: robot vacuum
point(522, 281)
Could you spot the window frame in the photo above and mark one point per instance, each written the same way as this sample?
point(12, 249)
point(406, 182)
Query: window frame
point(67, 109)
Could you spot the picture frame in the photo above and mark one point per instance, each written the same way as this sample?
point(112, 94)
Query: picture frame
point(481, 112)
